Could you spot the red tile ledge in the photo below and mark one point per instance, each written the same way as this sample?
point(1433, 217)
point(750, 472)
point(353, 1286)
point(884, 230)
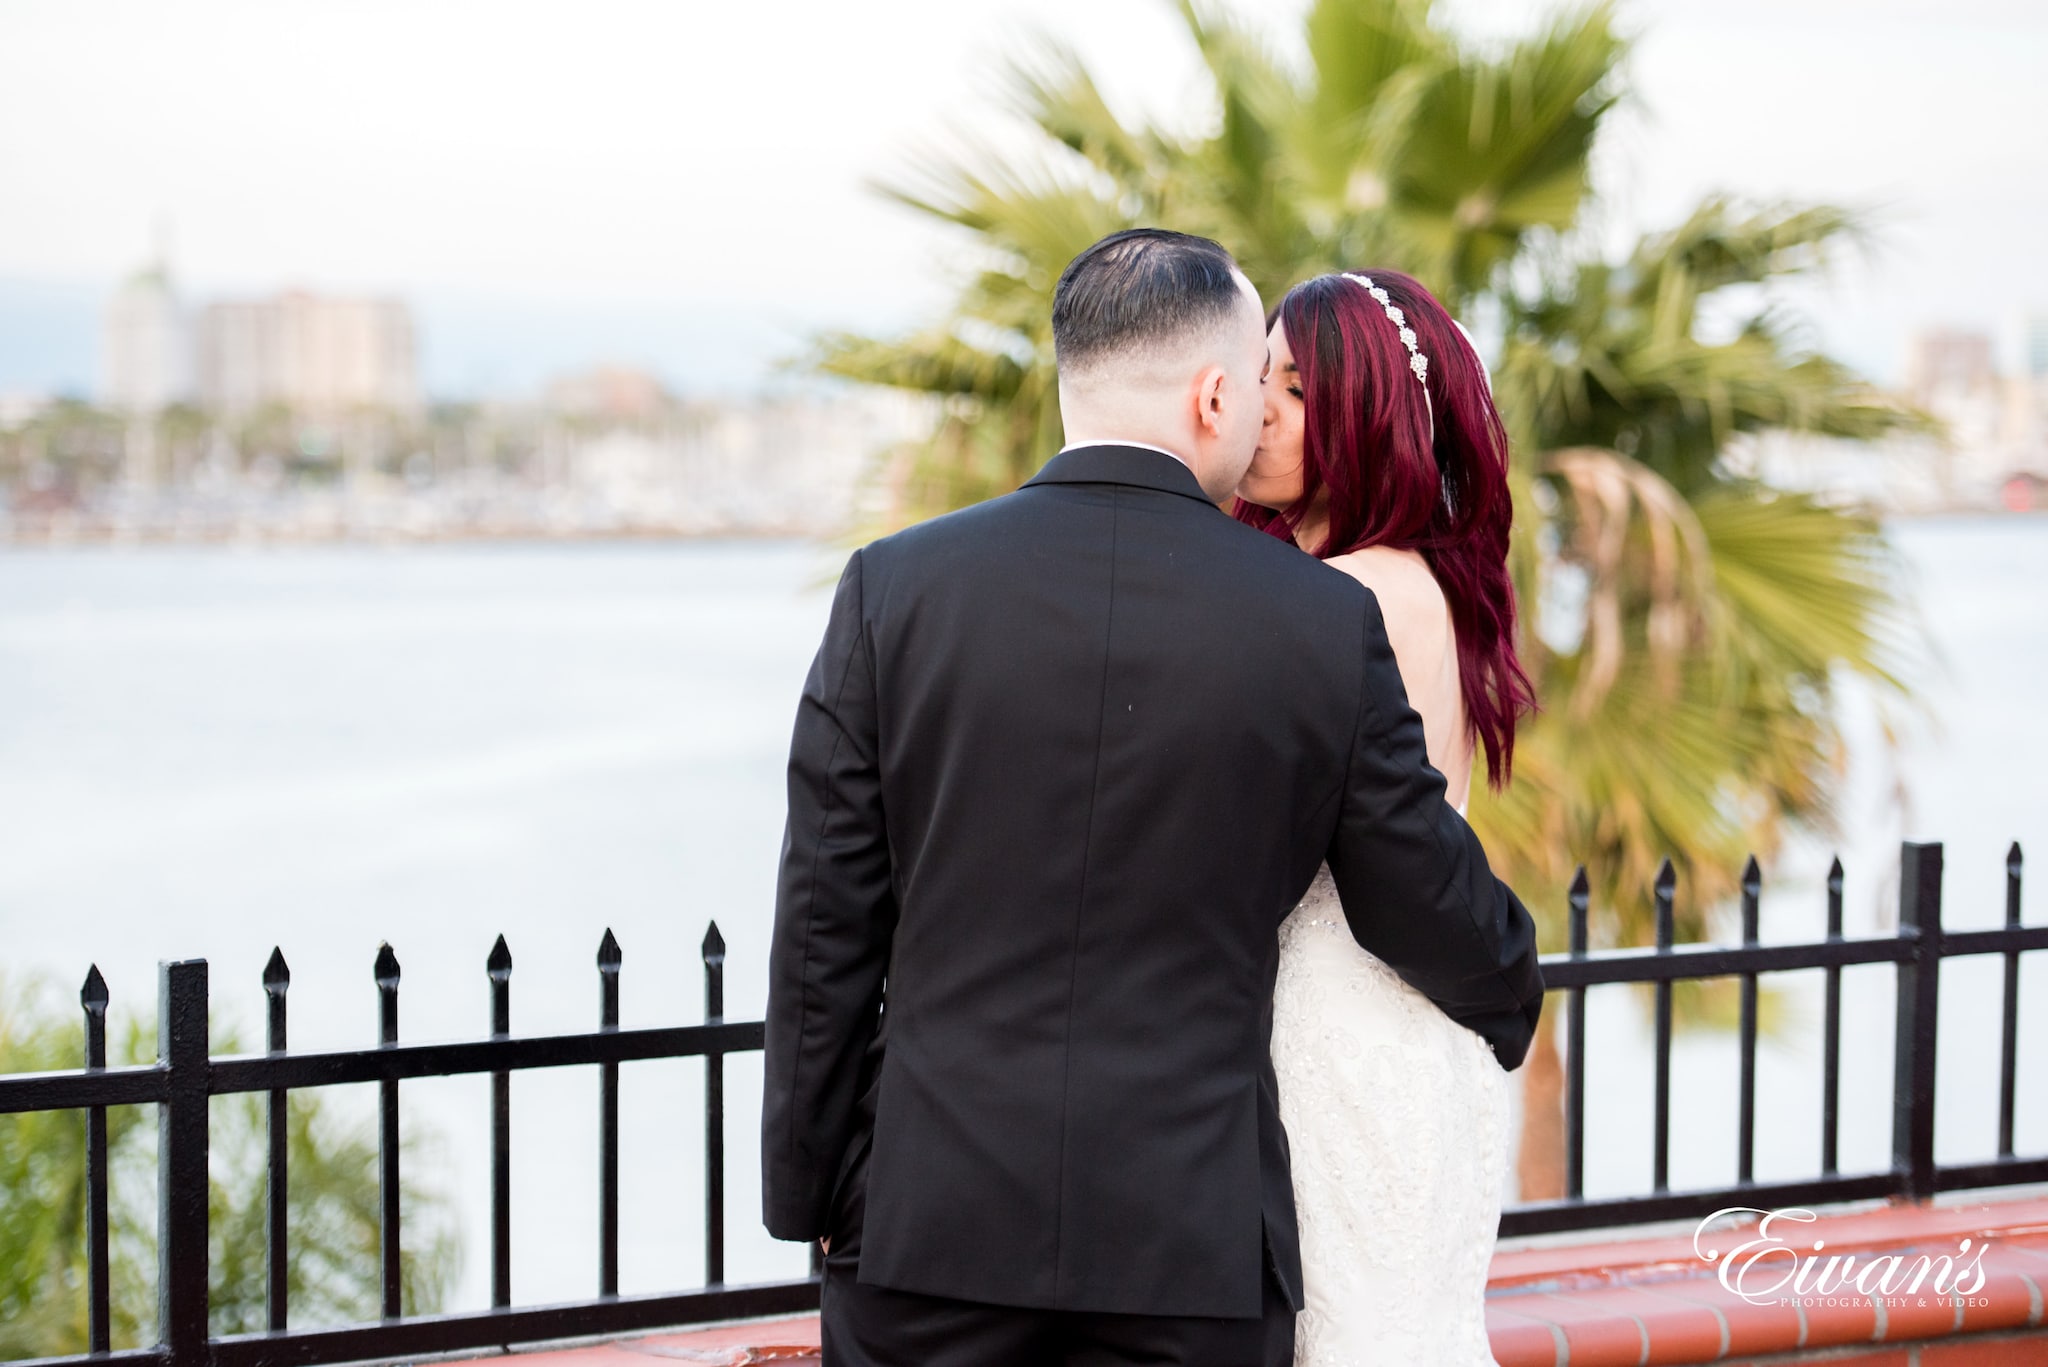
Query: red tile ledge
point(790, 1341)
point(1656, 1300)
point(1635, 1303)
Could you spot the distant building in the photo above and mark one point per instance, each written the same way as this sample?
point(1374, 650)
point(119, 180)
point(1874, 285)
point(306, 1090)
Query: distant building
point(2026, 406)
point(2030, 346)
point(142, 344)
point(19, 407)
point(1947, 364)
point(313, 353)
point(1990, 449)
point(790, 465)
point(613, 393)
point(1952, 374)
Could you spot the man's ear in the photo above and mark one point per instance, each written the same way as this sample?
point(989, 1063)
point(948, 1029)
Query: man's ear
point(1209, 401)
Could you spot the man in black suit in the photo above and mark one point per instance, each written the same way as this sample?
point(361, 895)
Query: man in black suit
point(1063, 763)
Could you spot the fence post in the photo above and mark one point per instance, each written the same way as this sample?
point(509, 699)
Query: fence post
point(277, 980)
point(1578, 900)
point(609, 959)
point(1660, 1139)
point(181, 1163)
point(499, 967)
point(99, 1334)
point(1831, 1032)
point(1745, 1122)
point(385, 969)
point(1919, 987)
point(2009, 1031)
point(714, 1112)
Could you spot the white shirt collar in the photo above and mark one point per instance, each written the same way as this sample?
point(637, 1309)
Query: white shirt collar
point(1121, 441)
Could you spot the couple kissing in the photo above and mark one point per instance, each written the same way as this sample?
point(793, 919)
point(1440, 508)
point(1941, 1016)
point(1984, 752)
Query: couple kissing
point(1138, 992)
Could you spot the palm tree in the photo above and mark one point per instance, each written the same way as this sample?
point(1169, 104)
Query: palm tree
point(1689, 626)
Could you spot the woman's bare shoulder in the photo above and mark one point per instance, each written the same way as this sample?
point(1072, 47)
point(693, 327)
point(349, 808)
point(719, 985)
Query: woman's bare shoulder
point(1401, 580)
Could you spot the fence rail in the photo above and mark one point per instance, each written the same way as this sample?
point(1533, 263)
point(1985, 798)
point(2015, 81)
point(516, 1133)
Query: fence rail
point(184, 1077)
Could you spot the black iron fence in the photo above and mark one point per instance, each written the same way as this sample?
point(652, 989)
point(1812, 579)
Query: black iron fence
point(184, 1077)
point(1918, 947)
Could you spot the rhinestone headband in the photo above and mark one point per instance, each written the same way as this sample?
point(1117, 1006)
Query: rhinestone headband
point(1417, 362)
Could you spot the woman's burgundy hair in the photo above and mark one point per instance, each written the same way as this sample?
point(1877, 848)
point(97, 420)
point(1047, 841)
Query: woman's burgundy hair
point(1368, 443)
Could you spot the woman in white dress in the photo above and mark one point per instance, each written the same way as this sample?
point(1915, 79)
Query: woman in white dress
point(1383, 455)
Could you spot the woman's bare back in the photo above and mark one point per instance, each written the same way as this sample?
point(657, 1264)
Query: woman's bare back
point(1426, 648)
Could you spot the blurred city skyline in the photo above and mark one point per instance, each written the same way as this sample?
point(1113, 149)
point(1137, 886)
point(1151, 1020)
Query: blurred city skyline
point(666, 188)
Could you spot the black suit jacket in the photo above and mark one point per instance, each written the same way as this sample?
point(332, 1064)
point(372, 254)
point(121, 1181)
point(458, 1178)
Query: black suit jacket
point(1063, 763)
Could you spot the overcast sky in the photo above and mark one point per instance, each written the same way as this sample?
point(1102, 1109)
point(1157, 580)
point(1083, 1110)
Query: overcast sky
point(682, 184)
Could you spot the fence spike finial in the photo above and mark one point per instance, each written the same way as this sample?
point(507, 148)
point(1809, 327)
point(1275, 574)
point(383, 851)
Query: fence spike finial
point(1667, 880)
point(1579, 899)
point(499, 965)
point(608, 954)
point(1835, 875)
point(93, 994)
point(1752, 885)
point(714, 945)
point(2014, 861)
point(386, 967)
point(277, 974)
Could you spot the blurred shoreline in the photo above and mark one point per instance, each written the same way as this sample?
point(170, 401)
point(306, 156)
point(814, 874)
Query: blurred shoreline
point(84, 535)
point(610, 454)
point(305, 520)
point(628, 461)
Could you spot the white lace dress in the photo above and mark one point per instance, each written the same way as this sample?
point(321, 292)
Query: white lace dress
point(1397, 1121)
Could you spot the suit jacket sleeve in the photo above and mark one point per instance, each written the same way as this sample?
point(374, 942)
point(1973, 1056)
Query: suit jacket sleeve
point(1413, 877)
point(835, 915)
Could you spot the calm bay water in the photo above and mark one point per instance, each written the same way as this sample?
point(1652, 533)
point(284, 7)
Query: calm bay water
point(207, 752)
point(204, 753)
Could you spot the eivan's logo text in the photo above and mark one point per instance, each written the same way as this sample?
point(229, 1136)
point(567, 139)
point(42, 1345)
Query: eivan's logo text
point(1766, 1269)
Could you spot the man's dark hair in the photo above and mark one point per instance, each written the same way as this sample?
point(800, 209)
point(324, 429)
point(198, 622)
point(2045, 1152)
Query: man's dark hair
point(1137, 288)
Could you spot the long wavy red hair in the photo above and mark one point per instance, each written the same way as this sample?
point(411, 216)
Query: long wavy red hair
point(1396, 478)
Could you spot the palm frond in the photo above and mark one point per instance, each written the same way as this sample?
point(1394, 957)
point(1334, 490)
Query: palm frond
point(1049, 86)
point(940, 364)
point(1361, 47)
point(1499, 146)
point(1689, 710)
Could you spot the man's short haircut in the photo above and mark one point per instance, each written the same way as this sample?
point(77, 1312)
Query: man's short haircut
point(1138, 289)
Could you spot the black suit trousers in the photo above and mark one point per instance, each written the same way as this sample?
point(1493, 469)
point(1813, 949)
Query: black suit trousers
point(874, 1326)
